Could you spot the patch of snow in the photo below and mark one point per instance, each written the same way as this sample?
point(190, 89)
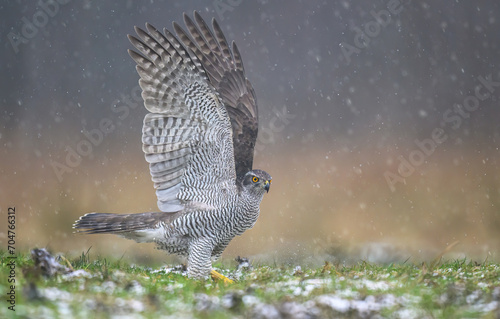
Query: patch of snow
point(107, 287)
point(364, 308)
point(490, 306)
point(265, 311)
point(482, 285)
point(408, 313)
point(372, 285)
point(486, 307)
point(336, 303)
point(54, 294)
point(129, 305)
point(77, 273)
point(206, 303)
point(250, 300)
point(135, 305)
point(298, 311)
point(180, 269)
point(496, 293)
point(297, 270)
point(367, 306)
point(388, 301)
point(64, 309)
point(117, 275)
point(297, 291)
point(474, 296)
point(173, 287)
point(135, 288)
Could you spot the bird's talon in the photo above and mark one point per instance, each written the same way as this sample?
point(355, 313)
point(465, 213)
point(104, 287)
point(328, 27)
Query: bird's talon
point(217, 277)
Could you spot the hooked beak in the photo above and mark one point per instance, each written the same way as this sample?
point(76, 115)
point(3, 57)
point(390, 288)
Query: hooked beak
point(267, 185)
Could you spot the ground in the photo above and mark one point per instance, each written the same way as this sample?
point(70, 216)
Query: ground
point(86, 287)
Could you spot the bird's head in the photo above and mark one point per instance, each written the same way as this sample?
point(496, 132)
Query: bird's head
point(257, 182)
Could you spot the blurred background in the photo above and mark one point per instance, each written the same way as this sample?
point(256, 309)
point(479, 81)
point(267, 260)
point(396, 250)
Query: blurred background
point(379, 122)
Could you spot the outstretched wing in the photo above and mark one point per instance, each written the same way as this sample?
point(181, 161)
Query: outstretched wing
point(187, 137)
point(224, 68)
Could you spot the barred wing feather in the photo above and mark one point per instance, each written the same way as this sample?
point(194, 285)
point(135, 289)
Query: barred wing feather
point(224, 68)
point(187, 136)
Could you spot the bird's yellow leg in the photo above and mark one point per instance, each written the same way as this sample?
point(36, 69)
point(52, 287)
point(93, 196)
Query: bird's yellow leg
point(216, 276)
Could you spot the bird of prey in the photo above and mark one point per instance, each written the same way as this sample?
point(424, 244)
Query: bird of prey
point(198, 139)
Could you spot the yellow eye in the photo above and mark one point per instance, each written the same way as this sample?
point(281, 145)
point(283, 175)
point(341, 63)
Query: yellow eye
point(255, 179)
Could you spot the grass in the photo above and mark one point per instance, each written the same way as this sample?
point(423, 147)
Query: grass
point(104, 288)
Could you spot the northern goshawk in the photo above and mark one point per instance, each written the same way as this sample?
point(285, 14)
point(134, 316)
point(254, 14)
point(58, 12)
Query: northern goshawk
point(199, 140)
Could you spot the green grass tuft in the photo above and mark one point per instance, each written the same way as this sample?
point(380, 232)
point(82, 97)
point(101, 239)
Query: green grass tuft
point(106, 287)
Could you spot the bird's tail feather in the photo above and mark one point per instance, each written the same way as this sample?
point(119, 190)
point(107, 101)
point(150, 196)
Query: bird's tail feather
point(144, 227)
